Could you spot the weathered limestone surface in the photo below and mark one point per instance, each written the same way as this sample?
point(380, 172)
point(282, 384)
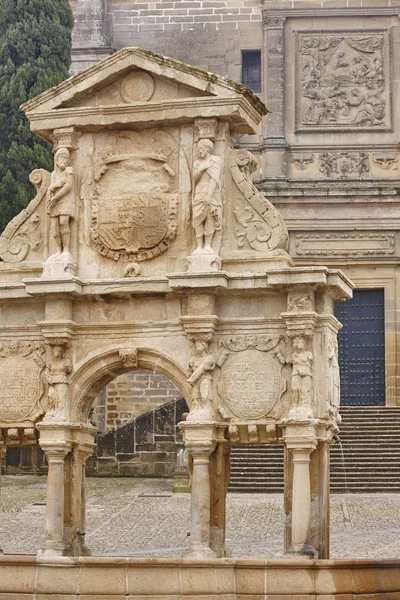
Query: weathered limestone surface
point(149, 247)
point(328, 151)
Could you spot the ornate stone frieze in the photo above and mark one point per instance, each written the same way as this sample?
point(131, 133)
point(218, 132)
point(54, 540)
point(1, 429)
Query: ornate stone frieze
point(258, 354)
point(302, 160)
point(345, 244)
point(24, 232)
point(343, 81)
point(22, 374)
point(261, 225)
point(135, 201)
point(386, 160)
point(342, 165)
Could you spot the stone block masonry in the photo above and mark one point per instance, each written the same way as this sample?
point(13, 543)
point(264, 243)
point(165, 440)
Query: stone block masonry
point(131, 395)
point(205, 33)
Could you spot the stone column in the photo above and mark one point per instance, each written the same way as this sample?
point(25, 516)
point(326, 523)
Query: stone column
point(300, 441)
point(220, 475)
point(276, 145)
point(200, 502)
point(2, 453)
point(75, 514)
point(55, 541)
point(301, 498)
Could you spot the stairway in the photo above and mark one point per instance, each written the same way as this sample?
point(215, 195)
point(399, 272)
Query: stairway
point(370, 439)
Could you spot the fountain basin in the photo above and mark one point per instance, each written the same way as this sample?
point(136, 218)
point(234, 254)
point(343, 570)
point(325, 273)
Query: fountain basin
point(119, 578)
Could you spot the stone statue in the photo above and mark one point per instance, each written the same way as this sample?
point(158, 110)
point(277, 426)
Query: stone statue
point(201, 365)
point(57, 378)
point(302, 378)
point(61, 201)
point(207, 196)
point(333, 358)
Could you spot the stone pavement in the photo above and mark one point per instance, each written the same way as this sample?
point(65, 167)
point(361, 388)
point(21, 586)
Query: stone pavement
point(142, 517)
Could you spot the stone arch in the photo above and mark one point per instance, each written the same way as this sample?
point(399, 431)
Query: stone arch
point(102, 367)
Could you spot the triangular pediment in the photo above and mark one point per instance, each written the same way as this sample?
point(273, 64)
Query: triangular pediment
point(135, 85)
point(131, 76)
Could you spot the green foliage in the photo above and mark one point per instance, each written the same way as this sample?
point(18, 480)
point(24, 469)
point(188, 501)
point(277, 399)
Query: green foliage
point(35, 51)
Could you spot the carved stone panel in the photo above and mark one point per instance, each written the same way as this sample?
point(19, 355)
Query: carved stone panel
point(251, 381)
point(345, 244)
point(22, 379)
point(343, 80)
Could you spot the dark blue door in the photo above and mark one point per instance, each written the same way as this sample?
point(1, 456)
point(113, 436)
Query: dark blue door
point(362, 349)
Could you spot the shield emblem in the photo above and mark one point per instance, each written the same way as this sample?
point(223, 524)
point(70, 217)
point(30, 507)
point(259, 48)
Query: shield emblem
point(134, 212)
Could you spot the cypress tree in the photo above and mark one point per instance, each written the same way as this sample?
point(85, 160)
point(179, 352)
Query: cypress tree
point(35, 54)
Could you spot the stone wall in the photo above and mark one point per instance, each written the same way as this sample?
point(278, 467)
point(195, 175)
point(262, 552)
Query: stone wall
point(131, 395)
point(145, 446)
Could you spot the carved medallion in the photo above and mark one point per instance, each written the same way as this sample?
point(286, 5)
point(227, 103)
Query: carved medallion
point(21, 374)
point(134, 208)
point(251, 380)
point(137, 87)
point(343, 81)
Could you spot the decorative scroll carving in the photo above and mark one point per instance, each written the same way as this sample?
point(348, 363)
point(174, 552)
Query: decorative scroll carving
point(201, 364)
point(345, 244)
point(343, 164)
point(386, 160)
point(263, 343)
point(129, 358)
point(258, 356)
point(343, 81)
point(262, 226)
point(58, 370)
point(130, 218)
point(22, 379)
point(207, 197)
point(23, 233)
point(302, 390)
point(302, 160)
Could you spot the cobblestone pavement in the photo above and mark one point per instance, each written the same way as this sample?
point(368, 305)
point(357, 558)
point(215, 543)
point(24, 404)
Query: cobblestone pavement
point(143, 518)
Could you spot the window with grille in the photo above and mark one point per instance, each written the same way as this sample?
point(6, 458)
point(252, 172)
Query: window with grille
point(251, 69)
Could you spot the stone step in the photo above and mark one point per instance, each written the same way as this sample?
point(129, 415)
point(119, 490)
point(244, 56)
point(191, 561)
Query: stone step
point(370, 439)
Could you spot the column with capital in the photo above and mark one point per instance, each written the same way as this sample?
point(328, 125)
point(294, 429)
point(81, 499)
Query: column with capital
point(55, 541)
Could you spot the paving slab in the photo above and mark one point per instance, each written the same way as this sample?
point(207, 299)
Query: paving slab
point(142, 517)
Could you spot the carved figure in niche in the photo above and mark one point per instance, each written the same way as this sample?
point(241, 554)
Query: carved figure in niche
point(333, 359)
point(302, 378)
point(207, 196)
point(61, 201)
point(57, 378)
point(201, 364)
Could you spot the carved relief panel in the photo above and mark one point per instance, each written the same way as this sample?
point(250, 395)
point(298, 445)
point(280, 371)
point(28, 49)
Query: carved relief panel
point(22, 374)
point(343, 80)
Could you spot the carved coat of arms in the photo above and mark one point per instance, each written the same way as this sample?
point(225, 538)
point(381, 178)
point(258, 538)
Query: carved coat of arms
point(134, 207)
